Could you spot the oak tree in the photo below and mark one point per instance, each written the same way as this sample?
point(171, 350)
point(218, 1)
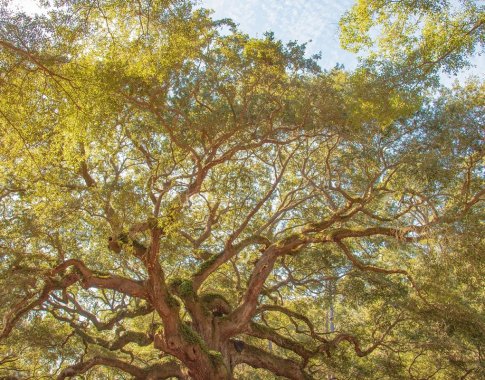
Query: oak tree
point(181, 200)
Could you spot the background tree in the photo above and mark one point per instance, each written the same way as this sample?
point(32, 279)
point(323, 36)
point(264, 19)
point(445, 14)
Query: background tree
point(178, 199)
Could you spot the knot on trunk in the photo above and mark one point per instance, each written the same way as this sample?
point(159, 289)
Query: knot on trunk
point(216, 304)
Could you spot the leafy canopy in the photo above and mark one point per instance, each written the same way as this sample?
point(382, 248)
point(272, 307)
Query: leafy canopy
point(179, 199)
point(421, 37)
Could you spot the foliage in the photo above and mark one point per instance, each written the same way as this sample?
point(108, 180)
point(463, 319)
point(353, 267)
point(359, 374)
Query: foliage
point(419, 36)
point(179, 199)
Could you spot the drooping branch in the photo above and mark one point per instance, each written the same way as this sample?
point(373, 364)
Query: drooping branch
point(325, 346)
point(267, 333)
point(9, 358)
point(160, 371)
point(356, 343)
point(290, 314)
point(83, 367)
point(258, 358)
point(127, 337)
point(365, 267)
point(141, 339)
point(371, 268)
point(243, 313)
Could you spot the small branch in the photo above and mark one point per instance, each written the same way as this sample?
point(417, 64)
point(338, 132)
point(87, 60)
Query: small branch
point(31, 58)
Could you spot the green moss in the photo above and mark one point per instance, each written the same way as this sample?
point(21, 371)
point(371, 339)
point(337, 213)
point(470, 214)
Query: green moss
point(262, 328)
point(172, 301)
point(186, 289)
point(123, 238)
point(206, 264)
point(100, 274)
point(175, 283)
point(190, 336)
point(215, 358)
point(209, 298)
point(215, 302)
point(182, 287)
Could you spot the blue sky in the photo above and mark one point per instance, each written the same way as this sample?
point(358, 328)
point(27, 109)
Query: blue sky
point(302, 20)
point(311, 21)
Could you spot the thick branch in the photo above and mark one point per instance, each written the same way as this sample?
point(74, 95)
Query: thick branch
point(163, 371)
point(27, 304)
point(211, 265)
point(258, 358)
point(159, 293)
point(244, 312)
point(90, 280)
point(264, 332)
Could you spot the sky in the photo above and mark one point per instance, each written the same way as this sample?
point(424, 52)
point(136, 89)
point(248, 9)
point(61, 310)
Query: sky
point(314, 22)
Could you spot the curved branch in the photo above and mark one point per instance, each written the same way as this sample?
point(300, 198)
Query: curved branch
point(258, 358)
point(210, 266)
point(111, 322)
point(364, 267)
point(88, 280)
point(263, 332)
point(244, 312)
point(163, 371)
point(27, 304)
point(291, 314)
point(355, 342)
point(141, 339)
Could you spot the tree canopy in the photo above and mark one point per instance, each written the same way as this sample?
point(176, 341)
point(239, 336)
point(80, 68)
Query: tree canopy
point(181, 200)
point(420, 37)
